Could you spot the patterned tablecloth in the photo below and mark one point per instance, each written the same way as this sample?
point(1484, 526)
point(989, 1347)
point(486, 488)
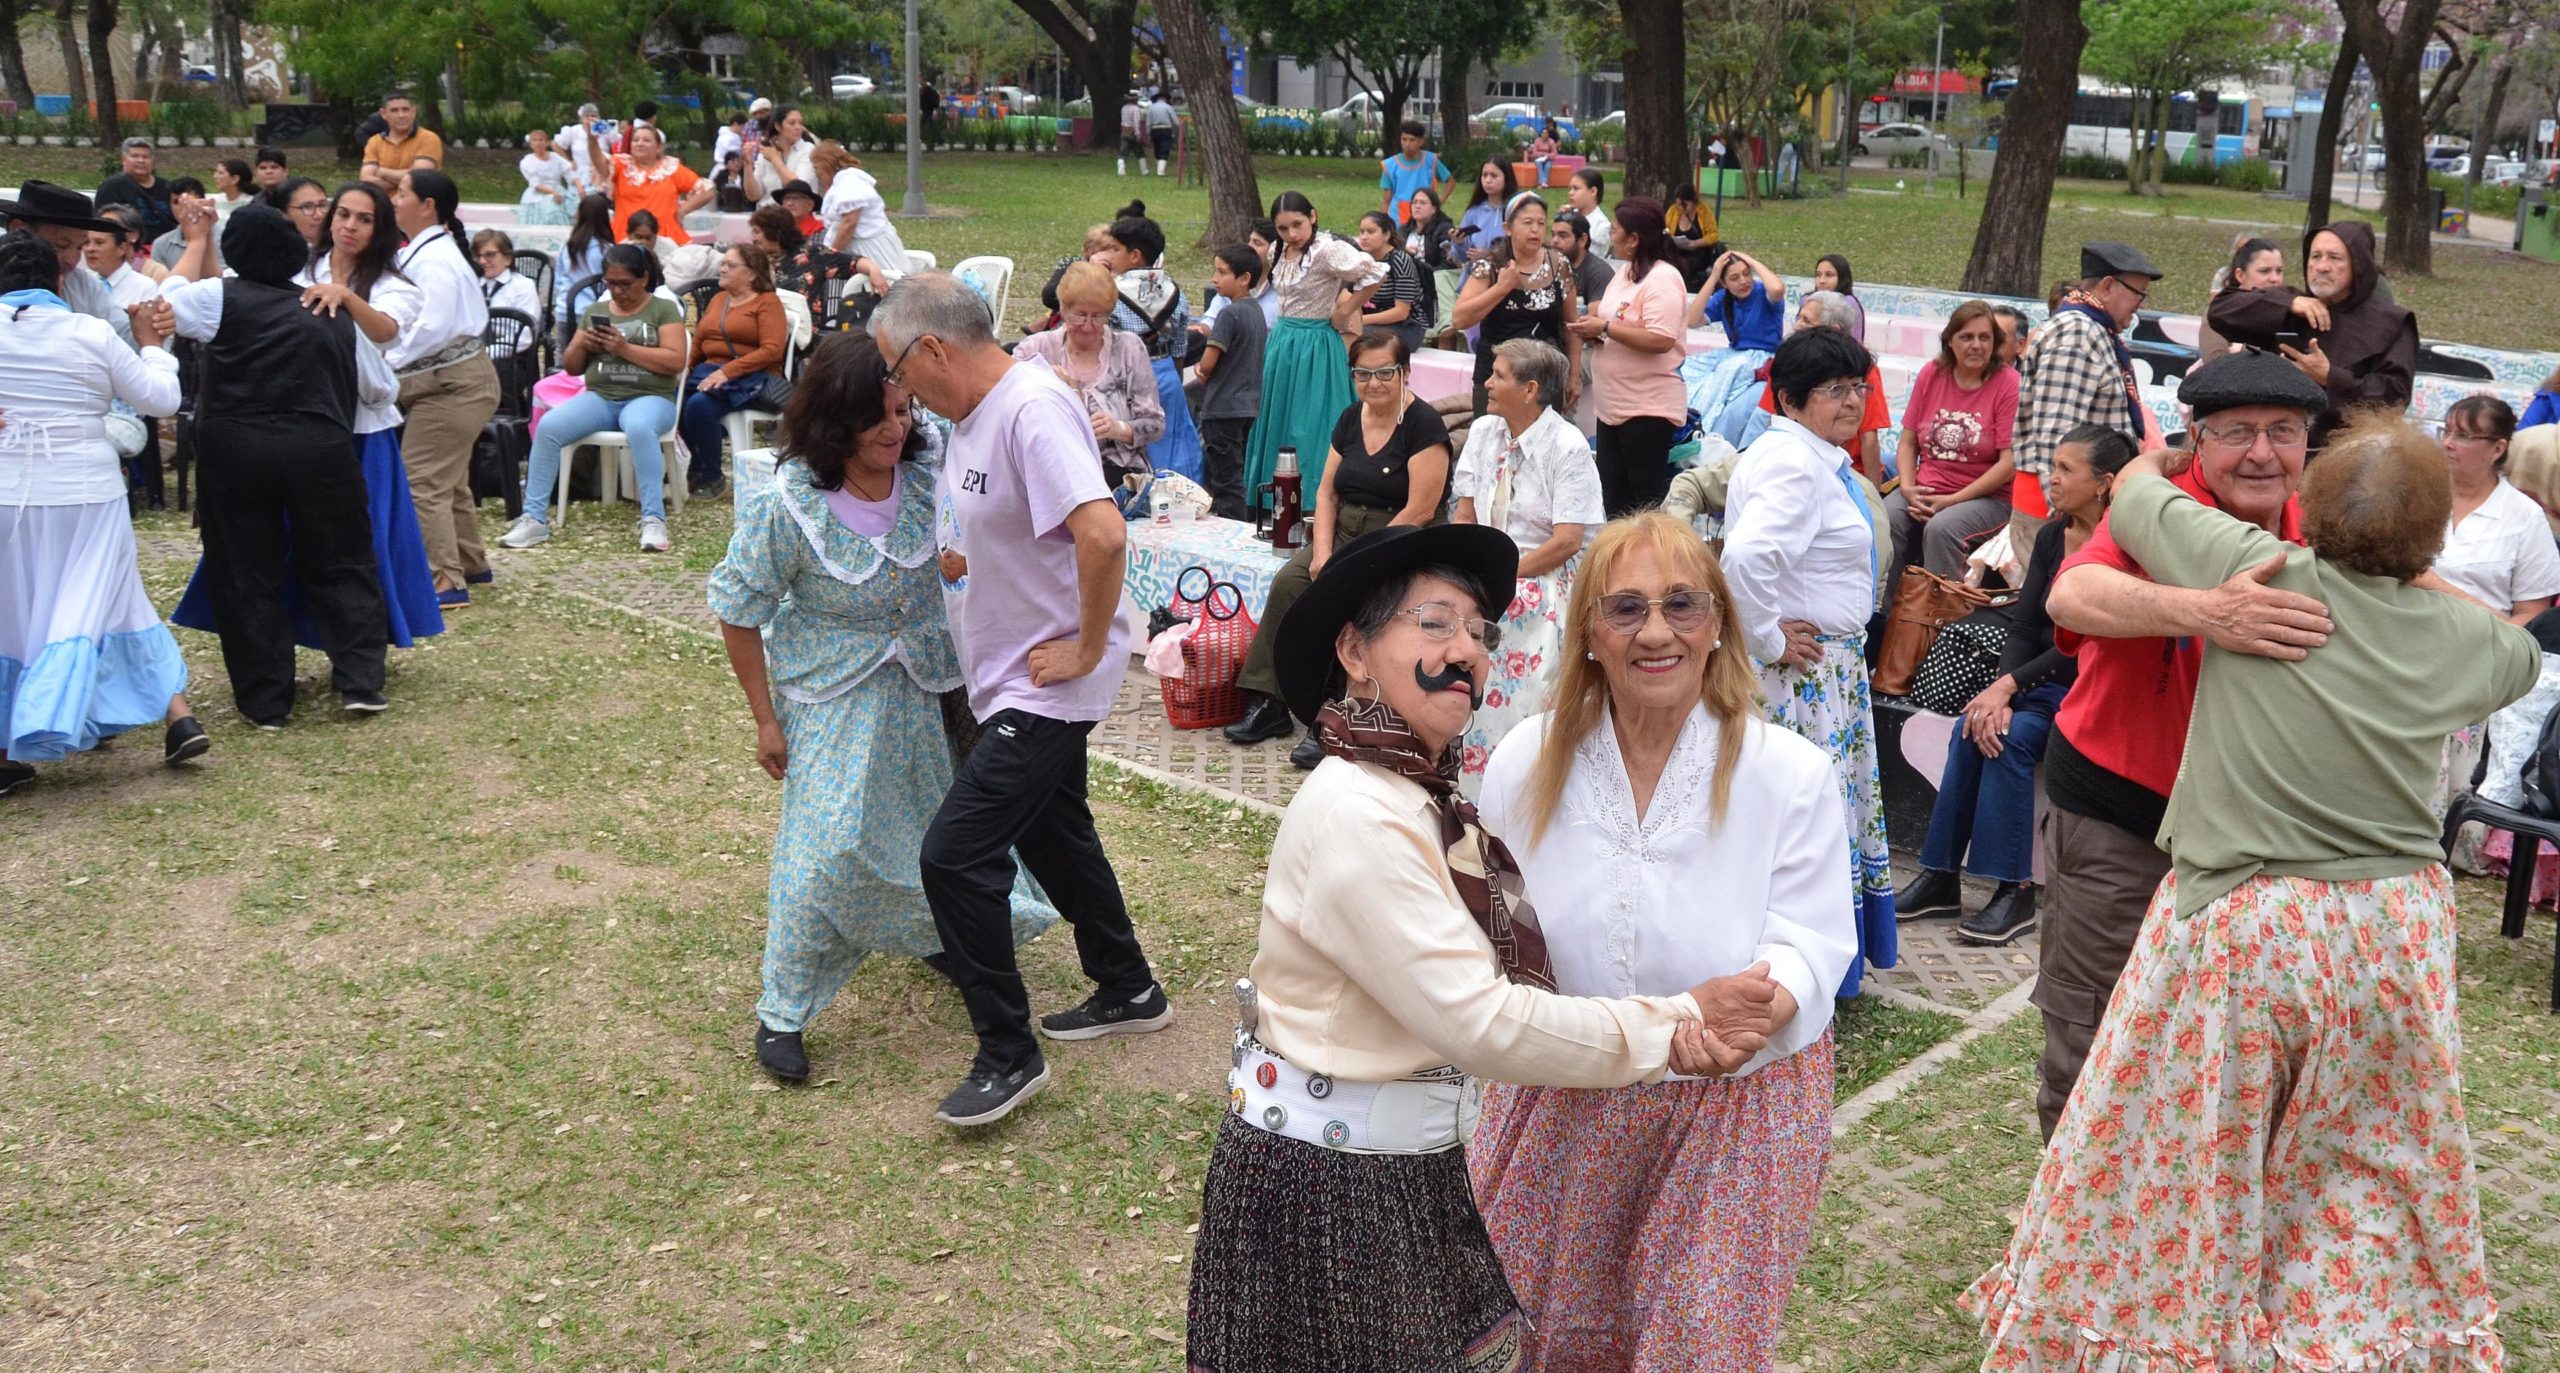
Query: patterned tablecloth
point(1228, 548)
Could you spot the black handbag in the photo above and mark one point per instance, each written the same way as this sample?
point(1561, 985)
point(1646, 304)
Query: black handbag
point(1964, 661)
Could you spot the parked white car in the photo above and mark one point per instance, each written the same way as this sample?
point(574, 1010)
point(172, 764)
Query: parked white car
point(1889, 140)
point(1364, 110)
point(2504, 171)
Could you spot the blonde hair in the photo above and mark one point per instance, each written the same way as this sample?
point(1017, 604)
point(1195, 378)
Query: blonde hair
point(1096, 239)
point(2533, 467)
point(1088, 283)
point(829, 158)
point(1729, 689)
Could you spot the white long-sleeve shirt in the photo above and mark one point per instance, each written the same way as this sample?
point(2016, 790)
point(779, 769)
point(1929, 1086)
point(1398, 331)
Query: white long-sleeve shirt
point(399, 298)
point(198, 306)
point(449, 290)
point(1370, 968)
point(59, 371)
point(856, 192)
point(1653, 906)
point(1797, 544)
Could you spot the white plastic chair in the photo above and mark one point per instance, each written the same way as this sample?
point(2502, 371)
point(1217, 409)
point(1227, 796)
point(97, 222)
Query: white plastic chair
point(921, 262)
point(992, 278)
point(739, 426)
point(615, 472)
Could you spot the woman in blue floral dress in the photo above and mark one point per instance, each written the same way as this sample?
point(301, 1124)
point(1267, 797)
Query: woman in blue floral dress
point(830, 602)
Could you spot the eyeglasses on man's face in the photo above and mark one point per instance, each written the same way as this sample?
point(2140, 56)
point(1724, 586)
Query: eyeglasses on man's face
point(2240, 438)
point(898, 369)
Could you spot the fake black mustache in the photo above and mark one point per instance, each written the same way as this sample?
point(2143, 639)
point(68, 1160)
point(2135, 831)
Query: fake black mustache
point(1448, 677)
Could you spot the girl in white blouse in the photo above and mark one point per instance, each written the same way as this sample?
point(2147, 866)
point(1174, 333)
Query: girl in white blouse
point(550, 182)
point(1306, 370)
point(1651, 782)
point(1800, 551)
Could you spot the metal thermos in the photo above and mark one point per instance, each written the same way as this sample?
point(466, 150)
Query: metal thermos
point(1285, 517)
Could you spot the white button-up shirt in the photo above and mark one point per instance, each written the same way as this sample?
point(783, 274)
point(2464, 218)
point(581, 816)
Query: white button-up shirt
point(1797, 543)
point(1552, 478)
point(856, 192)
point(1618, 895)
point(2502, 552)
point(450, 305)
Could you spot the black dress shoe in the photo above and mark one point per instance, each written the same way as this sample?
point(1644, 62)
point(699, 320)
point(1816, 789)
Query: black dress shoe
point(1931, 893)
point(1307, 754)
point(186, 739)
point(2009, 913)
point(13, 775)
point(1266, 718)
point(781, 1053)
point(483, 577)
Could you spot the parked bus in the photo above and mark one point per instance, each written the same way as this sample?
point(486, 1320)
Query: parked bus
point(2219, 125)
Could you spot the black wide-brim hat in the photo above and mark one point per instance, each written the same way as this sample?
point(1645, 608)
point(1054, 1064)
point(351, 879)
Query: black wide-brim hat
point(1310, 674)
point(43, 202)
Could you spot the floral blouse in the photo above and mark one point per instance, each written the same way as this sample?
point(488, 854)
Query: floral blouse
point(1312, 282)
point(1123, 388)
point(809, 270)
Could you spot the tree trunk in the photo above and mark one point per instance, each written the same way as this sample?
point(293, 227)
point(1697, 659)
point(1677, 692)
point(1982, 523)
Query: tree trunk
point(69, 37)
point(13, 59)
point(2408, 247)
point(2008, 245)
point(1457, 68)
point(2485, 129)
point(1100, 57)
point(2323, 151)
point(102, 67)
point(2133, 126)
point(1235, 197)
point(2450, 83)
point(1656, 65)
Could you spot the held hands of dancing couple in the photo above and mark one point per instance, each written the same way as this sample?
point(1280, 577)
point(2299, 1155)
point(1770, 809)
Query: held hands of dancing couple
point(1739, 1013)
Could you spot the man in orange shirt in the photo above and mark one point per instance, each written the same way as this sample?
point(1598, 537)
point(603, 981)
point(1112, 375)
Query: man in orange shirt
point(391, 154)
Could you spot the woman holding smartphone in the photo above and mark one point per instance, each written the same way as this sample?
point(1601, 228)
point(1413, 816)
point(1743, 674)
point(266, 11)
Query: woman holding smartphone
point(630, 346)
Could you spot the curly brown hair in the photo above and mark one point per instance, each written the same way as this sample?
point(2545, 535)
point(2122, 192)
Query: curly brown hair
point(843, 391)
point(2378, 499)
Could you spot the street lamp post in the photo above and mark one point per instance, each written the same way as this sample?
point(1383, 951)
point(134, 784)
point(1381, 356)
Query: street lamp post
point(1937, 101)
point(915, 131)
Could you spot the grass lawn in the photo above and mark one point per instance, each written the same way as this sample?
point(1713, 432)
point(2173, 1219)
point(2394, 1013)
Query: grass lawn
point(1034, 208)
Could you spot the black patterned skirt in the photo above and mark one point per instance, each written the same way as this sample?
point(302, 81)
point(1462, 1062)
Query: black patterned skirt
point(1309, 1258)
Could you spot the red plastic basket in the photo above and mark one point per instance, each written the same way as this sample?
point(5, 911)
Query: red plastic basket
point(1206, 695)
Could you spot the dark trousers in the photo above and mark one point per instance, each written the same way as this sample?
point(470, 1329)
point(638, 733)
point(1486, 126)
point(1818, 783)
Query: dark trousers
point(1222, 445)
point(1634, 459)
point(1984, 821)
point(1022, 789)
point(2099, 881)
point(1163, 139)
point(143, 474)
point(1290, 582)
point(698, 423)
point(256, 480)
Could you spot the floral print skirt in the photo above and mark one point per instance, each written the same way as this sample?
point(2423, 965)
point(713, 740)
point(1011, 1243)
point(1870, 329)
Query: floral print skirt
point(1658, 1227)
point(2265, 1165)
point(1524, 669)
point(1828, 704)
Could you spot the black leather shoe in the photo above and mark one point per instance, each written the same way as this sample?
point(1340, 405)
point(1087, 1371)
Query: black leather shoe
point(1931, 893)
point(186, 739)
point(2009, 913)
point(782, 1054)
point(1266, 718)
point(13, 775)
point(1307, 754)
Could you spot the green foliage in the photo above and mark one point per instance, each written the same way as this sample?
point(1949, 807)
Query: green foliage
point(1390, 39)
point(2496, 201)
point(2248, 174)
point(2160, 47)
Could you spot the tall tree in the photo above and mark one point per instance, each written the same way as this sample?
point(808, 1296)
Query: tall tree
point(1097, 36)
point(1739, 54)
point(1384, 44)
point(1655, 61)
point(67, 35)
point(13, 58)
point(2393, 53)
point(2008, 244)
point(102, 67)
point(2323, 151)
point(2159, 48)
point(1235, 196)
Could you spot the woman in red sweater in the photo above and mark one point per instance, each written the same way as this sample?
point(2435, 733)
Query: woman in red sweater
point(737, 352)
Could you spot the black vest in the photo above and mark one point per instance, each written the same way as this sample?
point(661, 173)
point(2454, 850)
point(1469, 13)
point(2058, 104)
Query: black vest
point(275, 363)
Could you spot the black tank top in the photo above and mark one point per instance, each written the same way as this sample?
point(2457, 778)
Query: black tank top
point(276, 364)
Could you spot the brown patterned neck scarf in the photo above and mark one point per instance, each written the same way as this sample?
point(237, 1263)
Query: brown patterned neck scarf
point(1487, 879)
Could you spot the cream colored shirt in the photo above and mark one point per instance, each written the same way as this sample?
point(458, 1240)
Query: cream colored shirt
point(1370, 967)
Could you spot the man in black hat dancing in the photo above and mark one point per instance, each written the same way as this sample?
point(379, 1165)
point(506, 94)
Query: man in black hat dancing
point(2080, 372)
point(2120, 734)
point(63, 217)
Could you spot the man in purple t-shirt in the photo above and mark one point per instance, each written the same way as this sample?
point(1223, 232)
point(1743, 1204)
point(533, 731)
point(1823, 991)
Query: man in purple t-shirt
point(1032, 551)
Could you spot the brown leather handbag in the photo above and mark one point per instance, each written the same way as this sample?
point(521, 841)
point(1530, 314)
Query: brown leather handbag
point(1923, 604)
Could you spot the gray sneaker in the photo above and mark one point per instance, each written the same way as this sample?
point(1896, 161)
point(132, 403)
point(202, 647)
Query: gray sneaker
point(527, 532)
point(653, 535)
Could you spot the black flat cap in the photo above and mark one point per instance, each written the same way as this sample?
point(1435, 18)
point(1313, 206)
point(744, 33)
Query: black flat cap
point(2251, 376)
point(2107, 257)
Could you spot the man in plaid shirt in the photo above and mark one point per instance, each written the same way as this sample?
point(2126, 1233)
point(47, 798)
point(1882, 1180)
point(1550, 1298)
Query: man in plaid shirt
point(2080, 372)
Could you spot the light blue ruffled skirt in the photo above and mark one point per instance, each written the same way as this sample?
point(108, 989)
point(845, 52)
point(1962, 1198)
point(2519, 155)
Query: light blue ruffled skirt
point(83, 655)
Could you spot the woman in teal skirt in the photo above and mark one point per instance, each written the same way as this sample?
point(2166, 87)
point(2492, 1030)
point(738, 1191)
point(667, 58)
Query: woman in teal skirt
point(1306, 378)
point(830, 602)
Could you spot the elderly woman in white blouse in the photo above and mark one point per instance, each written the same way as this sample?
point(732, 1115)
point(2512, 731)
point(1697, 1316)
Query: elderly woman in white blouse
point(1529, 473)
point(1660, 1225)
point(1801, 554)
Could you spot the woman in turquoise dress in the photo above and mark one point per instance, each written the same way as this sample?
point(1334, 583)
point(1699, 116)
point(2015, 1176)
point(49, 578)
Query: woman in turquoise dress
point(830, 602)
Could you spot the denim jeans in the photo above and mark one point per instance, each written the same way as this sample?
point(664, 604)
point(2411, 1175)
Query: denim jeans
point(1991, 802)
point(644, 420)
point(703, 411)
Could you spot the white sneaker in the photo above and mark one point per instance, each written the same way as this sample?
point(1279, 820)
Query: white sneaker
point(653, 534)
point(526, 532)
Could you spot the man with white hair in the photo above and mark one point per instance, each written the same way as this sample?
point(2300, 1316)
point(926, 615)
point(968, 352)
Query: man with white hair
point(1032, 550)
point(573, 138)
point(1832, 310)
